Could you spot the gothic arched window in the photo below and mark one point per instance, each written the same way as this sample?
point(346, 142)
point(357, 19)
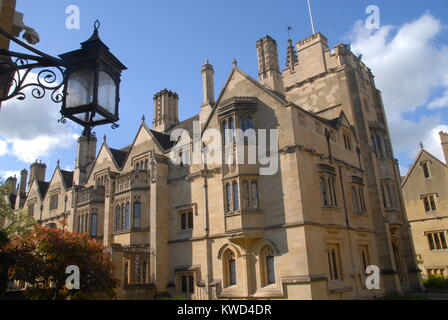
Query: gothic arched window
point(117, 218)
point(268, 265)
point(230, 268)
point(324, 191)
point(224, 130)
point(236, 203)
point(126, 217)
point(255, 201)
point(228, 197)
point(94, 225)
point(246, 194)
point(231, 130)
point(355, 200)
point(137, 214)
point(123, 217)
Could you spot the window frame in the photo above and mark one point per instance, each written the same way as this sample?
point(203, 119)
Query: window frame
point(426, 170)
point(437, 240)
point(94, 225)
point(268, 266)
point(187, 283)
point(186, 220)
point(328, 190)
point(230, 268)
point(137, 214)
point(334, 262)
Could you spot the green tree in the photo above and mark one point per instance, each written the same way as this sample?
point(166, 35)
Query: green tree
point(14, 223)
point(42, 256)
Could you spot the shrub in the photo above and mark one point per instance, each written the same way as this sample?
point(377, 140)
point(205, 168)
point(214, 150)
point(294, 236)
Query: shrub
point(436, 282)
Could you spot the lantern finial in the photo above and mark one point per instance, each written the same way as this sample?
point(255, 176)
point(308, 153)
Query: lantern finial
point(97, 25)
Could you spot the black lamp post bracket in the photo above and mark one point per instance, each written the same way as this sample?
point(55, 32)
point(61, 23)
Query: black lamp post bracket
point(15, 69)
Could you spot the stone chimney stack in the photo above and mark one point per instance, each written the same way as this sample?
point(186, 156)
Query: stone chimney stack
point(166, 112)
point(208, 89)
point(12, 183)
point(85, 158)
point(444, 140)
point(37, 172)
point(23, 178)
point(268, 64)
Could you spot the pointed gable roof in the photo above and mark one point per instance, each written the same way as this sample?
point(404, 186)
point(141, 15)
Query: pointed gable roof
point(265, 89)
point(111, 155)
point(67, 177)
point(164, 140)
point(42, 187)
point(186, 124)
point(119, 156)
point(417, 160)
point(341, 120)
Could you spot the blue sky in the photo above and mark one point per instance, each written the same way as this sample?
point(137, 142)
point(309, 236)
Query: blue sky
point(165, 43)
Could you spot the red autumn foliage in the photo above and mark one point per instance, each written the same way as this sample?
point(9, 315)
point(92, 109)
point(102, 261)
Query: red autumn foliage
point(40, 258)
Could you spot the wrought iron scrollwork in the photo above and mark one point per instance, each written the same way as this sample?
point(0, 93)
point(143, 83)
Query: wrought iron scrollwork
point(63, 120)
point(16, 76)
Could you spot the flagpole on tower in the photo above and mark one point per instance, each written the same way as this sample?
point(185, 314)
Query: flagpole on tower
point(311, 16)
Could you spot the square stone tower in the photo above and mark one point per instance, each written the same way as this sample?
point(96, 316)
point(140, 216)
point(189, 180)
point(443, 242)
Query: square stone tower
point(166, 112)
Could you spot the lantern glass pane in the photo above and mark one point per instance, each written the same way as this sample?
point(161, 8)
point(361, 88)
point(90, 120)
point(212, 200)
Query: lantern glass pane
point(98, 117)
point(106, 92)
point(80, 89)
point(84, 117)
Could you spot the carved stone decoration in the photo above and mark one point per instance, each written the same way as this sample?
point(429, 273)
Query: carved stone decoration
point(107, 185)
point(152, 166)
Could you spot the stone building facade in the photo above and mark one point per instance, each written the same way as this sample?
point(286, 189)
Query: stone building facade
point(425, 191)
point(306, 230)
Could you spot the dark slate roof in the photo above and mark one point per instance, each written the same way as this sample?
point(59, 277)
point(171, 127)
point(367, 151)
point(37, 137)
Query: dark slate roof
point(127, 148)
point(163, 139)
point(43, 187)
point(186, 124)
point(119, 156)
point(333, 122)
point(68, 178)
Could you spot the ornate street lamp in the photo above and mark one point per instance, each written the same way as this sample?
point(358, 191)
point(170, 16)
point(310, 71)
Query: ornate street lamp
point(90, 81)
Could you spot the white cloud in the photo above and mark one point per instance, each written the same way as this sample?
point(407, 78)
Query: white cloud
point(6, 174)
point(409, 67)
point(3, 147)
point(439, 102)
point(30, 130)
point(30, 150)
point(431, 141)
